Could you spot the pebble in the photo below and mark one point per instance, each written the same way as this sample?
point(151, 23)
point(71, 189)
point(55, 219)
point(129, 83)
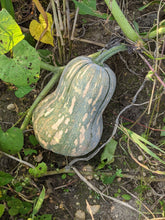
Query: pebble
point(140, 158)
point(144, 174)
point(101, 187)
point(94, 209)
point(11, 107)
point(79, 215)
point(88, 168)
point(119, 179)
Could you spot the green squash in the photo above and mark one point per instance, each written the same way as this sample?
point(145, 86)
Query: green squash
point(69, 120)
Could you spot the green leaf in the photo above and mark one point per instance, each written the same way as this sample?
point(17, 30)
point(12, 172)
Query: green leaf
point(126, 197)
point(119, 173)
point(116, 195)
point(46, 55)
point(10, 32)
point(33, 140)
point(63, 176)
point(8, 5)
point(107, 156)
point(29, 151)
point(39, 202)
point(139, 140)
point(22, 90)
point(101, 166)
point(162, 134)
point(18, 187)
point(150, 3)
point(88, 7)
point(5, 178)
point(23, 70)
point(13, 211)
point(108, 179)
point(15, 205)
point(25, 208)
point(11, 141)
point(39, 170)
point(136, 26)
point(2, 209)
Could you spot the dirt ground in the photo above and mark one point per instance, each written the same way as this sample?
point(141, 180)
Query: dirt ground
point(67, 198)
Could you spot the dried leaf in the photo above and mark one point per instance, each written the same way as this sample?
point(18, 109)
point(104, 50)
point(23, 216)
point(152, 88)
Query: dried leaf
point(36, 29)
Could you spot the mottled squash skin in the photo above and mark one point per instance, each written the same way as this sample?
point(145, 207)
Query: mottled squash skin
point(69, 121)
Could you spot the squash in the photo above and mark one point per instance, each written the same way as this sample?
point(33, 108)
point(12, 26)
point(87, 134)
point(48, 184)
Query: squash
point(69, 120)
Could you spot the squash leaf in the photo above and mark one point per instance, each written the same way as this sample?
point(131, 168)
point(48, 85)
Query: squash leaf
point(36, 29)
point(10, 32)
point(23, 70)
point(88, 7)
point(11, 141)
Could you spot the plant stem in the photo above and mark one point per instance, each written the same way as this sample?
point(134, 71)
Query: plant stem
point(149, 65)
point(153, 34)
point(60, 39)
point(108, 53)
point(50, 68)
point(19, 160)
point(43, 93)
point(122, 21)
point(107, 173)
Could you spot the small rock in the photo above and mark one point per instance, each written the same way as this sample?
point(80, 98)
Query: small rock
point(119, 179)
point(94, 209)
point(96, 177)
point(144, 174)
point(101, 187)
point(38, 158)
point(140, 158)
point(149, 194)
point(11, 107)
point(88, 168)
point(79, 215)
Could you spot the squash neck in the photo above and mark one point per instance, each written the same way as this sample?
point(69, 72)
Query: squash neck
point(106, 54)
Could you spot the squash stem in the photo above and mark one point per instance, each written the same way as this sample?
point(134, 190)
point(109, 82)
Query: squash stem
point(43, 93)
point(129, 32)
point(108, 53)
point(50, 68)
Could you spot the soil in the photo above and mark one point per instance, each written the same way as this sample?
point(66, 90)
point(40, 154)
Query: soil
point(67, 196)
